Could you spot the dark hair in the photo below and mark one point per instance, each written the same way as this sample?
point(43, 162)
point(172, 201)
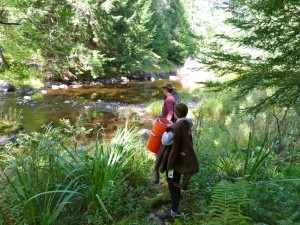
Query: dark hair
point(181, 110)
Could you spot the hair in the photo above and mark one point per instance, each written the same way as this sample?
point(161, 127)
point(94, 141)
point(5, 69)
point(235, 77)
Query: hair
point(181, 110)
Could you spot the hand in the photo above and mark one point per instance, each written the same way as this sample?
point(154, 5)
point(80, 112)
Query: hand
point(170, 173)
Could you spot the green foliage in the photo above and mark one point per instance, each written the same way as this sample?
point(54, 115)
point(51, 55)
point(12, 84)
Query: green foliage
point(254, 159)
point(23, 77)
point(227, 202)
point(174, 38)
point(263, 52)
point(92, 39)
point(10, 121)
point(276, 202)
point(154, 109)
point(102, 168)
point(52, 177)
point(33, 181)
point(233, 166)
point(51, 202)
point(227, 151)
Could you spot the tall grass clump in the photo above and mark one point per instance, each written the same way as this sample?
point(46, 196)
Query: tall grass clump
point(49, 177)
point(101, 167)
point(31, 168)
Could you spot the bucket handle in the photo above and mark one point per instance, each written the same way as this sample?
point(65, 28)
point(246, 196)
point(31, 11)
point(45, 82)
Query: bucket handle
point(155, 135)
point(163, 124)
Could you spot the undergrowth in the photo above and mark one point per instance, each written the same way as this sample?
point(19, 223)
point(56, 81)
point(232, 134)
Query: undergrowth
point(249, 171)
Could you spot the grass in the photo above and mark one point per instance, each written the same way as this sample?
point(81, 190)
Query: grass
point(50, 177)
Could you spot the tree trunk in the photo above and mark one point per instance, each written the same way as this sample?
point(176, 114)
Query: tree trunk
point(3, 62)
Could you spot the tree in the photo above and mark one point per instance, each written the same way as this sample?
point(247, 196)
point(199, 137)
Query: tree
point(17, 50)
point(267, 34)
point(174, 38)
point(89, 39)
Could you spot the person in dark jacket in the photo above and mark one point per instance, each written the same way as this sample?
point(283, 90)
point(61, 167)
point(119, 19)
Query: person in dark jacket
point(177, 157)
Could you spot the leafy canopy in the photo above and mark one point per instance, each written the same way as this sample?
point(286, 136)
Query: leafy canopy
point(267, 34)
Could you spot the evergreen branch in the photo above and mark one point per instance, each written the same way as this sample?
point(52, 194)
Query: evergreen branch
point(19, 22)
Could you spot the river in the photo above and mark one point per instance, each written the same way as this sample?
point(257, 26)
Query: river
point(71, 103)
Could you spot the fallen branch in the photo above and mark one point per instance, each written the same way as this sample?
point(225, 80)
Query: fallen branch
point(16, 23)
point(156, 201)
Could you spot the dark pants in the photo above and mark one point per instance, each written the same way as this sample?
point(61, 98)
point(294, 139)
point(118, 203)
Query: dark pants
point(174, 191)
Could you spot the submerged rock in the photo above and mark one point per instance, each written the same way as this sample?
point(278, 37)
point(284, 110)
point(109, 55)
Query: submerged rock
point(6, 87)
point(29, 92)
point(27, 98)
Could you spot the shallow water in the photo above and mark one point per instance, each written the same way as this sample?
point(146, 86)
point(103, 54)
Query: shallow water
point(52, 106)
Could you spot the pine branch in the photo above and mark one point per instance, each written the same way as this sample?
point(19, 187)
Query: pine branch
point(19, 22)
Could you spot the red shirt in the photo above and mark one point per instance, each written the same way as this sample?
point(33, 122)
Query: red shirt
point(168, 107)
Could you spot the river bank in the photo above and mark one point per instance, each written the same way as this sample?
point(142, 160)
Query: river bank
point(105, 104)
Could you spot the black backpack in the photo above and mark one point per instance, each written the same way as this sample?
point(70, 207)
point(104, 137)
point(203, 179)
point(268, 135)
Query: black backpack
point(177, 100)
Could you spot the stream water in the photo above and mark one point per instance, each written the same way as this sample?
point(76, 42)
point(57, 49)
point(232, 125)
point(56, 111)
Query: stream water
point(72, 102)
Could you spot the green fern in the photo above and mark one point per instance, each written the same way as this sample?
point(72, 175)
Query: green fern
point(227, 201)
point(293, 219)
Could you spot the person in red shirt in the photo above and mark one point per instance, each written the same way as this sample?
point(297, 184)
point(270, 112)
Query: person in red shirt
point(167, 111)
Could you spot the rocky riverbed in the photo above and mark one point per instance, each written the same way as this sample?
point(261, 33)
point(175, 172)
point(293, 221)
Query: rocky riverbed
point(124, 97)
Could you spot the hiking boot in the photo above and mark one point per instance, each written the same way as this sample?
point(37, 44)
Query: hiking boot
point(155, 177)
point(167, 218)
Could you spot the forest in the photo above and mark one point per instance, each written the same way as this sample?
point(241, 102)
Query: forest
point(81, 79)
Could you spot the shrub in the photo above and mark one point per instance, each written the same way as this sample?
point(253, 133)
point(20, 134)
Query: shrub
point(10, 121)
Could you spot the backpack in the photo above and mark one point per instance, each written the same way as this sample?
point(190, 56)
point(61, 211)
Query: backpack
point(177, 98)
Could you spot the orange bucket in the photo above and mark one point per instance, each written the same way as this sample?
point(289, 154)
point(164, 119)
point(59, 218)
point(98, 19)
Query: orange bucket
point(158, 130)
